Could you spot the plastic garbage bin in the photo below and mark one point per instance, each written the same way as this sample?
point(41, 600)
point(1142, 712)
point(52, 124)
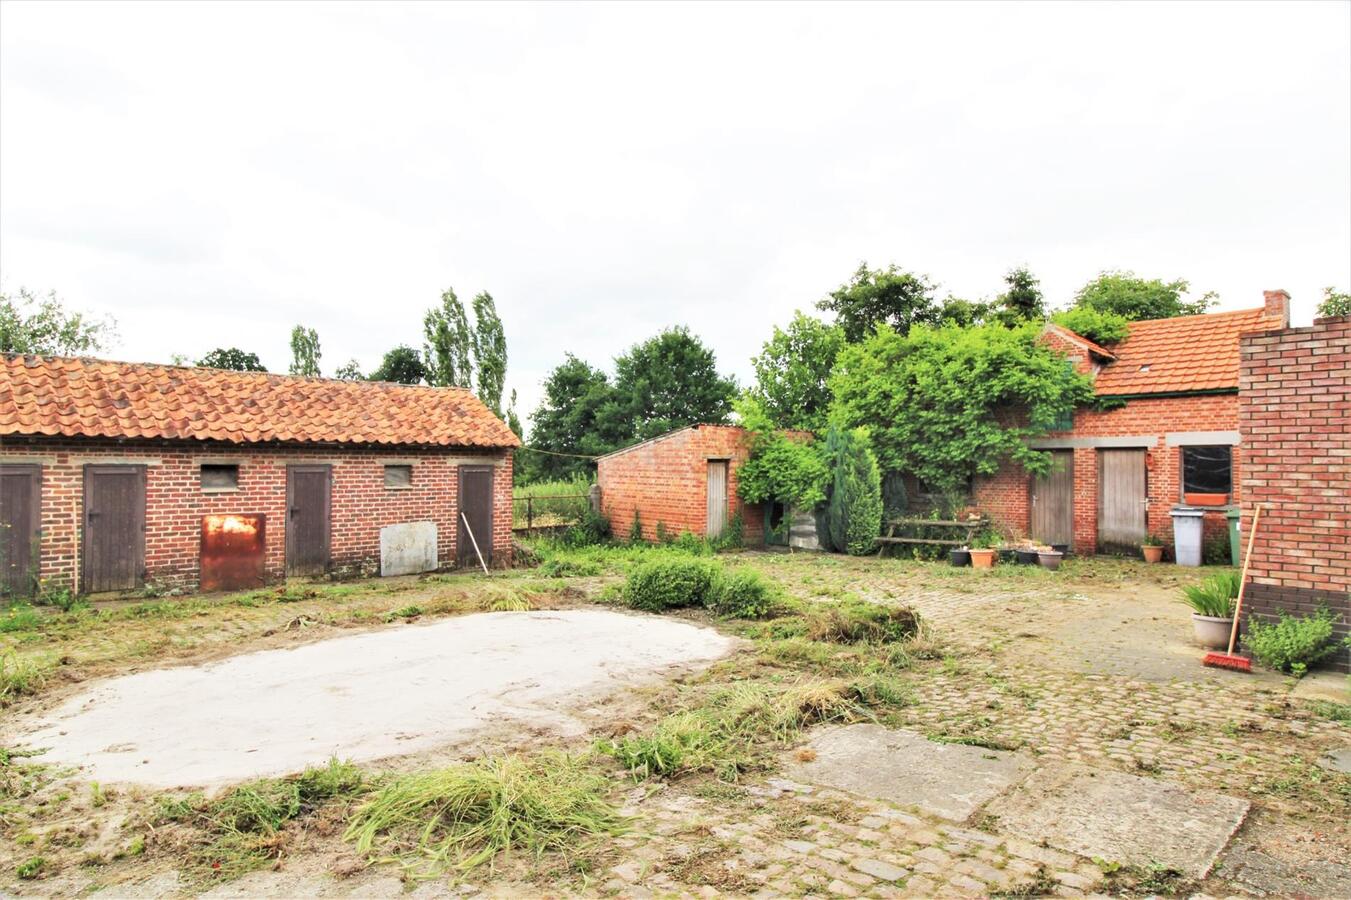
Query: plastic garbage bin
point(1187, 522)
point(1233, 514)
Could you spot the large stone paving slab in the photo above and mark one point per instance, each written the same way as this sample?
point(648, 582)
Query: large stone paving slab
point(1121, 818)
point(951, 781)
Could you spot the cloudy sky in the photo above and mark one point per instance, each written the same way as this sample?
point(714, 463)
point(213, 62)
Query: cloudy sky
point(213, 174)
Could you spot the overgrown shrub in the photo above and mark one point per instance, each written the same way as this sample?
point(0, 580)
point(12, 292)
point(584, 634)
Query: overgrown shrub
point(664, 584)
point(636, 529)
point(1098, 326)
point(860, 622)
point(591, 528)
point(1294, 644)
point(741, 594)
point(854, 508)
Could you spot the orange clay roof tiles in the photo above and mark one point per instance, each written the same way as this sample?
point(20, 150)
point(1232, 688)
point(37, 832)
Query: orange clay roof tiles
point(96, 398)
point(1188, 353)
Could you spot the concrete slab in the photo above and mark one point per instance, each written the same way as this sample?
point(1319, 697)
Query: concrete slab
point(408, 548)
point(1322, 685)
point(1121, 818)
point(1338, 760)
point(950, 781)
point(396, 691)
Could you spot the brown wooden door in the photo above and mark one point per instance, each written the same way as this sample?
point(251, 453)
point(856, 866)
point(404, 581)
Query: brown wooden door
point(1122, 495)
point(1053, 501)
point(476, 507)
point(20, 521)
point(308, 518)
point(113, 548)
point(717, 498)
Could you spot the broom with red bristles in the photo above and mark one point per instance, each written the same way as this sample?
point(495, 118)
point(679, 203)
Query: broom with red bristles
point(1232, 660)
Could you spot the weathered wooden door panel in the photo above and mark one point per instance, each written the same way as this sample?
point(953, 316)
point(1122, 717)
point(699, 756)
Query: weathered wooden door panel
point(1122, 495)
point(20, 522)
point(308, 518)
point(1053, 501)
point(476, 506)
point(717, 498)
point(113, 549)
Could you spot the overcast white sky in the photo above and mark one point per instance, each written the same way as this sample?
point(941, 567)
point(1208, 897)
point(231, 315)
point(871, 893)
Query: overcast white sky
point(214, 174)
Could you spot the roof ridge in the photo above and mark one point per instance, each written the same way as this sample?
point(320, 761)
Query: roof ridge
point(1223, 312)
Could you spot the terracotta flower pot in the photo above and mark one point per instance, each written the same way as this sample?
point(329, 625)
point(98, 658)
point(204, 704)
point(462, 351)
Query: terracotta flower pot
point(1050, 559)
point(982, 559)
point(1194, 498)
point(1153, 553)
point(1212, 632)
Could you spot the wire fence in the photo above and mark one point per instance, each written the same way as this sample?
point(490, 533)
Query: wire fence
point(538, 511)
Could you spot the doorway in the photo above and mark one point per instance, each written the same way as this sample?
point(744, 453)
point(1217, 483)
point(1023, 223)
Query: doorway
point(1123, 500)
point(113, 547)
point(20, 525)
point(1053, 501)
point(308, 519)
point(476, 507)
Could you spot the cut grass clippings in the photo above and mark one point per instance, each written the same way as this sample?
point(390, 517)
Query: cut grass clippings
point(465, 815)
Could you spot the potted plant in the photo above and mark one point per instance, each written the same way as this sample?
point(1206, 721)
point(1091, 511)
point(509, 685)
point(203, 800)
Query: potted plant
point(1026, 554)
point(1212, 603)
point(1197, 498)
point(959, 556)
point(1049, 557)
point(982, 550)
point(1152, 548)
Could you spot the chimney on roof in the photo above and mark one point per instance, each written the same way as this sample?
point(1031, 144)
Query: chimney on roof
point(1277, 304)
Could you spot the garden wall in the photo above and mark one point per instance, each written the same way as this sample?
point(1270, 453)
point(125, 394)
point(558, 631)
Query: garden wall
point(1295, 419)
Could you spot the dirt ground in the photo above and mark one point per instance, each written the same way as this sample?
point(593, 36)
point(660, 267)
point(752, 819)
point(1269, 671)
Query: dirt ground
point(1089, 668)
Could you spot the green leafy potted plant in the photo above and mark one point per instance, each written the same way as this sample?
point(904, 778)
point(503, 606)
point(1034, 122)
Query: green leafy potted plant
point(1212, 603)
point(983, 550)
point(1152, 548)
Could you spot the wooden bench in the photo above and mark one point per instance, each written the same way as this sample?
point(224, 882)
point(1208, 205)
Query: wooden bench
point(970, 527)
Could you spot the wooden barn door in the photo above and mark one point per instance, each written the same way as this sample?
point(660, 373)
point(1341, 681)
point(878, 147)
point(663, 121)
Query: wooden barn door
point(20, 521)
point(476, 505)
point(113, 548)
point(717, 498)
point(1053, 501)
point(308, 518)
point(1122, 496)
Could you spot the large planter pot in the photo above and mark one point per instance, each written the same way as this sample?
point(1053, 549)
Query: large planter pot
point(1212, 632)
point(1194, 498)
point(1050, 559)
point(1027, 557)
point(959, 557)
point(1152, 552)
point(982, 559)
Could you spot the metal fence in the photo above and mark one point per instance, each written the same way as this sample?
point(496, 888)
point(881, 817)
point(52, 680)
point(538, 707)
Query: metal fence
point(553, 511)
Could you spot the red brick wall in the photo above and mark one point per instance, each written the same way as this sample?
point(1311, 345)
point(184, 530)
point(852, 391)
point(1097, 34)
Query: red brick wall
point(1295, 418)
point(176, 503)
point(666, 481)
point(1005, 496)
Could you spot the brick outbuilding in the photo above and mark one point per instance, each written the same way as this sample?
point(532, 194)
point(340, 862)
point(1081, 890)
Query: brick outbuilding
point(122, 476)
point(1171, 436)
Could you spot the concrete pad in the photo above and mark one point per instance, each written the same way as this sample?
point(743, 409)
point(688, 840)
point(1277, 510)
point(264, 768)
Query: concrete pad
point(1121, 818)
point(383, 693)
point(1322, 685)
point(950, 781)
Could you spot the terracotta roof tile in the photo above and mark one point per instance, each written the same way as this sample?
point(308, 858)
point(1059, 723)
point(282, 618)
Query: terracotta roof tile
point(1187, 353)
point(98, 398)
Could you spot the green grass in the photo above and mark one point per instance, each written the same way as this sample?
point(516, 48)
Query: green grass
point(21, 675)
point(465, 815)
point(552, 502)
point(19, 616)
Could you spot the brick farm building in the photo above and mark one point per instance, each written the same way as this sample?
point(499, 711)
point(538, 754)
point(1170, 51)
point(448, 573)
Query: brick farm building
point(1168, 434)
point(118, 476)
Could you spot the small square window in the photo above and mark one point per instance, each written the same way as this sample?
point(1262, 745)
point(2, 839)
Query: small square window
point(220, 477)
point(398, 476)
point(1207, 470)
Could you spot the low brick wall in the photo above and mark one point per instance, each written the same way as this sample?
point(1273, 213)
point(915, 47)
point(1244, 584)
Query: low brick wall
point(1295, 419)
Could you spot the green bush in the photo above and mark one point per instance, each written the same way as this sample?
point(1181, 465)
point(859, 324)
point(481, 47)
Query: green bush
point(854, 509)
point(741, 594)
point(636, 529)
point(592, 528)
point(664, 584)
point(1214, 596)
point(1294, 644)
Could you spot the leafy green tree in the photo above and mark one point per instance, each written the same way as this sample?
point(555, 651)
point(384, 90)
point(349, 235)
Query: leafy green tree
point(873, 297)
point(791, 373)
point(232, 358)
point(513, 420)
point(44, 326)
point(1099, 327)
point(448, 351)
point(349, 371)
point(1022, 302)
point(576, 415)
point(667, 382)
point(305, 353)
point(854, 509)
point(402, 365)
point(1334, 304)
point(1135, 298)
point(490, 352)
point(787, 470)
point(937, 402)
point(956, 311)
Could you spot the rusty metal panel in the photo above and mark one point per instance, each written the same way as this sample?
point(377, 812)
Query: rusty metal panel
point(234, 549)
